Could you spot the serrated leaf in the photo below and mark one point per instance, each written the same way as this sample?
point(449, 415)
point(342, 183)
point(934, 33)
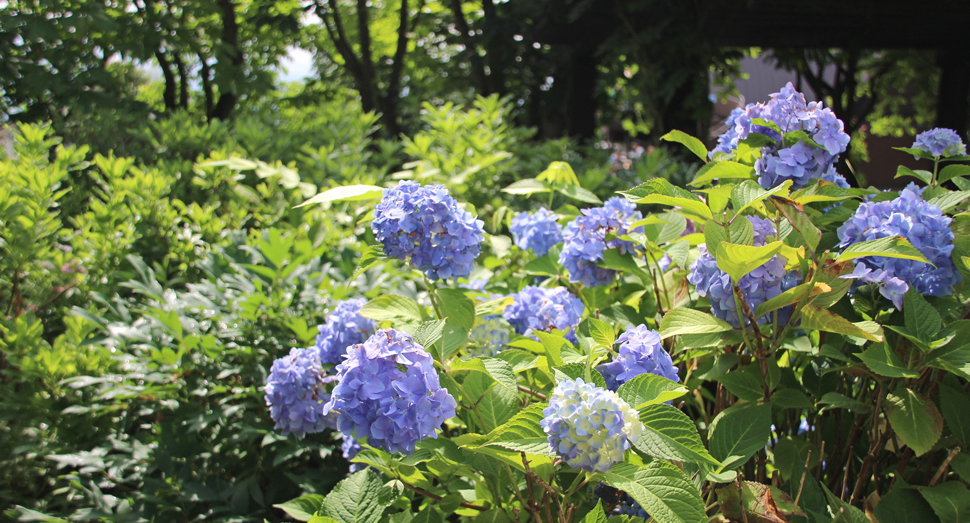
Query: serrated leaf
point(601, 332)
point(799, 221)
point(950, 501)
point(791, 399)
point(915, 420)
point(302, 508)
point(524, 425)
point(790, 297)
point(660, 191)
point(494, 404)
point(662, 490)
point(667, 227)
point(347, 193)
point(814, 318)
point(360, 498)
point(544, 265)
point(745, 383)
point(372, 255)
point(429, 333)
point(596, 514)
point(614, 259)
point(948, 201)
point(956, 406)
point(904, 505)
point(722, 171)
point(392, 307)
point(739, 260)
point(696, 146)
point(689, 321)
point(889, 247)
point(457, 308)
point(669, 434)
point(740, 232)
point(953, 171)
point(884, 362)
point(650, 389)
point(920, 317)
point(559, 172)
point(553, 345)
point(748, 193)
point(678, 253)
point(738, 432)
point(526, 187)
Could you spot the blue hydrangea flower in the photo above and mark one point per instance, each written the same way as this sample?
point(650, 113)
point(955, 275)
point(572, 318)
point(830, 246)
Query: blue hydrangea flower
point(641, 352)
point(889, 286)
point(538, 308)
point(757, 287)
point(296, 393)
point(589, 427)
point(426, 225)
point(344, 327)
point(388, 392)
point(350, 448)
point(538, 231)
point(799, 162)
point(586, 240)
point(940, 142)
point(489, 335)
point(477, 284)
point(920, 222)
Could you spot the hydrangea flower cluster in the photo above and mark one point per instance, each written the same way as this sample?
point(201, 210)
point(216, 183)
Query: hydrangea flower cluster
point(940, 142)
point(641, 352)
point(920, 222)
point(758, 286)
point(538, 231)
point(296, 393)
point(889, 286)
point(799, 162)
point(589, 427)
point(344, 327)
point(586, 239)
point(490, 334)
point(426, 225)
point(389, 393)
point(537, 308)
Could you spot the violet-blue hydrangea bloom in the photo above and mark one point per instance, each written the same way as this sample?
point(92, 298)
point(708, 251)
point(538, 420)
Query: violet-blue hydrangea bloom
point(757, 287)
point(585, 240)
point(940, 142)
point(426, 225)
point(641, 352)
point(538, 231)
point(920, 222)
point(350, 448)
point(889, 286)
point(490, 334)
point(538, 308)
point(296, 393)
point(798, 162)
point(388, 392)
point(589, 427)
point(344, 327)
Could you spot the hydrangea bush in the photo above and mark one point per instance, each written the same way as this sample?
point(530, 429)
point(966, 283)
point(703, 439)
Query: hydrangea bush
point(770, 344)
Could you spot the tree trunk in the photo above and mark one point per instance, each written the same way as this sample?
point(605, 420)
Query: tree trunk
point(230, 41)
point(475, 62)
point(183, 81)
point(168, 96)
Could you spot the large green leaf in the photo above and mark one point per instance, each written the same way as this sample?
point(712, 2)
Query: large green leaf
point(302, 508)
point(696, 146)
point(689, 321)
point(915, 420)
point(346, 193)
point(662, 490)
point(882, 360)
point(669, 434)
point(950, 501)
point(740, 232)
point(799, 221)
point(920, 317)
point(661, 191)
point(578, 193)
point(494, 404)
point(737, 433)
point(815, 318)
point(526, 187)
point(904, 505)
point(889, 247)
point(739, 260)
point(457, 308)
point(392, 307)
point(650, 389)
point(956, 407)
point(360, 498)
point(748, 193)
point(745, 383)
point(722, 171)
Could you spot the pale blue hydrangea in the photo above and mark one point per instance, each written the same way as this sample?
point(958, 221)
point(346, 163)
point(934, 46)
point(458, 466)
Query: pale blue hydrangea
point(799, 162)
point(833, 176)
point(538, 231)
point(538, 308)
point(889, 286)
point(490, 334)
point(426, 225)
point(389, 394)
point(757, 287)
point(477, 284)
point(343, 328)
point(350, 448)
point(586, 239)
point(588, 427)
point(920, 222)
point(641, 352)
point(296, 393)
point(940, 142)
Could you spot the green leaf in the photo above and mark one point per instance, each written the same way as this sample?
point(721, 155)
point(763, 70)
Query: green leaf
point(949, 200)
point(661, 489)
point(360, 498)
point(844, 512)
point(904, 505)
point(799, 221)
point(614, 259)
point(578, 193)
point(748, 193)
point(348, 193)
point(302, 508)
point(722, 171)
point(650, 389)
point(457, 308)
point(791, 399)
point(544, 265)
point(679, 253)
point(526, 187)
point(493, 403)
point(391, 307)
point(372, 255)
point(835, 400)
point(669, 434)
point(952, 171)
point(915, 420)
point(660, 191)
point(430, 514)
point(696, 146)
point(745, 383)
point(559, 172)
point(924, 176)
point(885, 362)
point(791, 455)
point(956, 406)
point(689, 321)
point(429, 333)
point(664, 228)
point(757, 503)
point(596, 514)
point(738, 432)
point(889, 247)
point(495, 368)
point(495, 515)
point(553, 345)
point(578, 370)
point(601, 332)
point(740, 232)
point(789, 297)
point(524, 425)
point(739, 260)
point(950, 501)
point(814, 318)
point(920, 317)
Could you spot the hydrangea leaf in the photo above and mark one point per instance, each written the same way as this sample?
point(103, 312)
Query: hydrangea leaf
point(302, 508)
point(578, 193)
point(915, 152)
point(739, 260)
point(601, 331)
point(748, 193)
point(429, 333)
point(902, 505)
point(740, 232)
point(596, 514)
point(457, 308)
point(949, 200)
point(497, 369)
point(884, 362)
point(915, 420)
point(523, 425)
point(952, 171)
point(799, 221)
point(669, 434)
point(722, 171)
point(346, 193)
point(650, 389)
point(360, 498)
point(494, 404)
point(950, 501)
point(920, 317)
point(495, 515)
point(890, 247)
point(669, 227)
point(559, 172)
point(693, 144)
point(526, 187)
point(745, 383)
point(815, 318)
point(660, 191)
point(790, 297)
point(578, 370)
point(738, 432)
point(835, 400)
point(718, 197)
point(689, 321)
point(661, 489)
point(956, 405)
point(757, 503)
point(390, 307)
point(791, 399)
